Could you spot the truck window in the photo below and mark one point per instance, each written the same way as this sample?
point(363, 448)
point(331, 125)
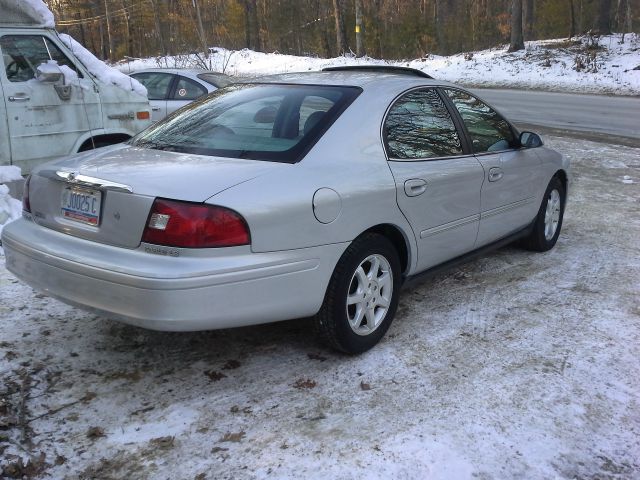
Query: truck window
point(22, 54)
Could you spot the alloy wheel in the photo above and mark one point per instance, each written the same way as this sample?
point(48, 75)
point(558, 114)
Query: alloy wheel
point(370, 293)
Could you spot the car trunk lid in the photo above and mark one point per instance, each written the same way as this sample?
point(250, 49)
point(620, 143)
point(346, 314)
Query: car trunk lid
point(106, 195)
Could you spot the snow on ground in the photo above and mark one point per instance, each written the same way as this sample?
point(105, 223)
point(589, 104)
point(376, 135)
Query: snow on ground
point(10, 208)
point(517, 365)
point(606, 65)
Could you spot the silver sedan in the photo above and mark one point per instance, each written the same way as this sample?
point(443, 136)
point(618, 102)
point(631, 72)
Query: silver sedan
point(172, 88)
point(298, 195)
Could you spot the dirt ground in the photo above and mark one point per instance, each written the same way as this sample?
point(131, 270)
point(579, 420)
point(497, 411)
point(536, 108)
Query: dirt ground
point(517, 365)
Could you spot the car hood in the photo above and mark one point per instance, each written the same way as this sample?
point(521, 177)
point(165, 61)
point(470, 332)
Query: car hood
point(165, 174)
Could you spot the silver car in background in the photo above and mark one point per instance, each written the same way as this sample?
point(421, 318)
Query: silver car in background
point(313, 194)
point(172, 88)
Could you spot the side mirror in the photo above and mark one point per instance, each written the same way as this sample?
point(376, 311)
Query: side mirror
point(530, 140)
point(49, 72)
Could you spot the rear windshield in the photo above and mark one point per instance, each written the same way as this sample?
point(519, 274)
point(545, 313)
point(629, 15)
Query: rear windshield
point(214, 79)
point(261, 122)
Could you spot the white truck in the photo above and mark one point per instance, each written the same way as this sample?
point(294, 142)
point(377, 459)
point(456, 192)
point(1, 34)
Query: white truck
point(56, 98)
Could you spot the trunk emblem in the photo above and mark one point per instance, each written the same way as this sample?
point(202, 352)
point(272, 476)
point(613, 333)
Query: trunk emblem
point(73, 177)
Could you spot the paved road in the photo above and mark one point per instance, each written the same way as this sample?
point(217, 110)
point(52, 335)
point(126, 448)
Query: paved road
point(613, 119)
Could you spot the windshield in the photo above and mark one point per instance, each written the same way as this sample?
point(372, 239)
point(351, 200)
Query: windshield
point(262, 122)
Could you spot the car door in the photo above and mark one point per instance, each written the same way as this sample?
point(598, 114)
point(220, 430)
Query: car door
point(438, 182)
point(158, 85)
point(44, 119)
point(184, 92)
point(511, 174)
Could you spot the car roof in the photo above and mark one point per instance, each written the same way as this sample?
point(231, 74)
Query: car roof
point(194, 71)
point(356, 78)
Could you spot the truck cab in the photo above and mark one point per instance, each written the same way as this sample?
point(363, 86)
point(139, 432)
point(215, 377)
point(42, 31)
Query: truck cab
point(56, 98)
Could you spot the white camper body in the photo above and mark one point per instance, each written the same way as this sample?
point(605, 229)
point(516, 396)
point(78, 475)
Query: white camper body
point(55, 97)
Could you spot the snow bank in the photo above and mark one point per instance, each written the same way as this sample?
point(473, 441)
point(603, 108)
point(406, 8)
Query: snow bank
point(26, 12)
point(10, 208)
point(10, 173)
point(546, 65)
point(100, 70)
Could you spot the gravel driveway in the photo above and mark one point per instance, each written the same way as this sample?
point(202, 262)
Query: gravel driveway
point(517, 365)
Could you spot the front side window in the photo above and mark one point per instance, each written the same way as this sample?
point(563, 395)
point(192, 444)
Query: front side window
point(489, 132)
point(22, 54)
point(256, 121)
point(157, 84)
point(419, 126)
point(188, 90)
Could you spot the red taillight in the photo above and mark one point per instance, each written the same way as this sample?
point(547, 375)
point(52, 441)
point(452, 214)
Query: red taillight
point(194, 225)
point(26, 204)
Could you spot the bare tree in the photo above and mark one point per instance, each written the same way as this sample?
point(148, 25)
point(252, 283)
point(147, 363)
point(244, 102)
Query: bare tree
point(623, 17)
point(437, 23)
point(252, 28)
point(604, 17)
point(517, 41)
point(158, 29)
point(528, 18)
point(572, 20)
point(109, 38)
point(201, 34)
point(341, 35)
point(359, 30)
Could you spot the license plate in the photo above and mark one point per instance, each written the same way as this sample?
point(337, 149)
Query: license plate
point(81, 205)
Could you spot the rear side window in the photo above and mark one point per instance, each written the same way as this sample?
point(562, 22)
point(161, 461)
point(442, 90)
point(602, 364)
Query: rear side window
point(157, 84)
point(256, 121)
point(489, 132)
point(418, 126)
point(188, 90)
point(22, 54)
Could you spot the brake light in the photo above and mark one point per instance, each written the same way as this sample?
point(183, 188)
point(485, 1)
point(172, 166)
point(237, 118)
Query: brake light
point(194, 225)
point(26, 204)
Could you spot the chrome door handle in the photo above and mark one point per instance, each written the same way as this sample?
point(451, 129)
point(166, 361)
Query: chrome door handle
point(415, 187)
point(495, 174)
point(19, 98)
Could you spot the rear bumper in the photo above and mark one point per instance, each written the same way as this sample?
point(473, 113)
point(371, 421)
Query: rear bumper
point(197, 290)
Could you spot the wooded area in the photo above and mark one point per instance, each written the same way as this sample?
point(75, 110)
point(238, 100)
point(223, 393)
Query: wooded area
point(391, 29)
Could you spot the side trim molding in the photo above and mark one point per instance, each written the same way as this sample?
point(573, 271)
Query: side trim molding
point(506, 208)
point(526, 231)
point(448, 226)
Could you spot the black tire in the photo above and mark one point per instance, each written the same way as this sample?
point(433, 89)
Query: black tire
point(537, 240)
point(332, 321)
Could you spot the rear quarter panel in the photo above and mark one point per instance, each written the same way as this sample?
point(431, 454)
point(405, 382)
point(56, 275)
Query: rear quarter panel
point(348, 159)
